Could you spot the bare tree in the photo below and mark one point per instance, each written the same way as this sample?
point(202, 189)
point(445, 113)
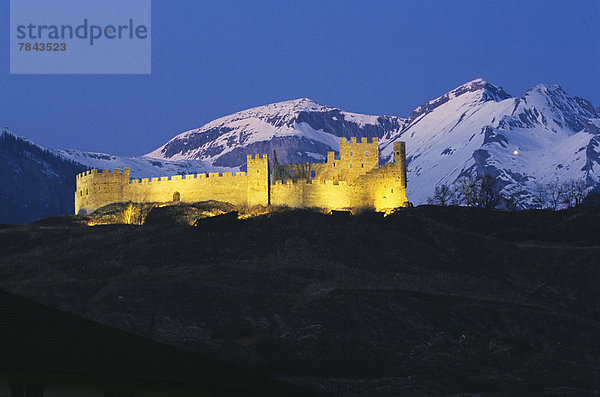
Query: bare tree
point(568, 193)
point(581, 191)
point(467, 191)
point(442, 195)
point(513, 200)
point(540, 195)
point(509, 202)
point(484, 192)
point(488, 194)
point(130, 215)
point(555, 194)
point(573, 192)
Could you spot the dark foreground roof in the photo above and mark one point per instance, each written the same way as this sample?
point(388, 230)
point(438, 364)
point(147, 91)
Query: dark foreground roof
point(38, 338)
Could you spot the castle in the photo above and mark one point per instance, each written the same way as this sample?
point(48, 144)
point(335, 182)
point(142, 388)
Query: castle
point(354, 180)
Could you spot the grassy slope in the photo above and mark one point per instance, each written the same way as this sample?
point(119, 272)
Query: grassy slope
point(443, 300)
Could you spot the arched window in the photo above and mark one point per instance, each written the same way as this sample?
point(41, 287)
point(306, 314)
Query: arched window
point(176, 196)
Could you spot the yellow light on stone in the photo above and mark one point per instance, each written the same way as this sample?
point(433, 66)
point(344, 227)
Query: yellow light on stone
point(382, 188)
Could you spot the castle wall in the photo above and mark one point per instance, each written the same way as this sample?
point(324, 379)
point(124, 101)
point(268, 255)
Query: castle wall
point(191, 188)
point(96, 189)
point(353, 181)
point(322, 194)
point(288, 194)
point(381, 189)
point(328, 195)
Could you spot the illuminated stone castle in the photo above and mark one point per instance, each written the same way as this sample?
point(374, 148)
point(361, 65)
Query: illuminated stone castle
point(352, 181)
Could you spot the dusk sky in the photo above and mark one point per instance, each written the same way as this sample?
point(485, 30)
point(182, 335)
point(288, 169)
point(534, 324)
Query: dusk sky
point(211, 59)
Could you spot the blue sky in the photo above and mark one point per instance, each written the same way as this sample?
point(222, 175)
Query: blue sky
point(210, 59)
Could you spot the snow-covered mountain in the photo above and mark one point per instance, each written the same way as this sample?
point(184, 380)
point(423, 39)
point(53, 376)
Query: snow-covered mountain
point(478, 128)
point(141, 166)
point(300, 130)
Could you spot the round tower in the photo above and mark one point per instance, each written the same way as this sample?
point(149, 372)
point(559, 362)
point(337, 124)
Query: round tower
point(399, 156)
point(95, 189)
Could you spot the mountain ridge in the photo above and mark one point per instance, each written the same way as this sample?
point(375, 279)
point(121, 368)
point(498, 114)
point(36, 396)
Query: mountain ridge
point(490, 92)
point(471, 130)
point(300, 130)
point(475, 133)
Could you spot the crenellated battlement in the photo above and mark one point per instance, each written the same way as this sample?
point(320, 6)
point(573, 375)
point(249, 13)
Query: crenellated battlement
point(353, 180)
point(102, 173)
point(363, 140)
point(263, 156)
point(189, 177)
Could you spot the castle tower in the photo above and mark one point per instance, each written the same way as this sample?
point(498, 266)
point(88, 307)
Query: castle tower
point(258, 180)
point(357, 158)
point(96, 189)
point(385, 187)
point(399, 156)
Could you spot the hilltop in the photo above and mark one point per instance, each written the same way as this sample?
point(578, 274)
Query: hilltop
point(437, 300)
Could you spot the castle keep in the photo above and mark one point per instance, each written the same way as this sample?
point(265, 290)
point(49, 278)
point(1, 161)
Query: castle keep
point(354, 180)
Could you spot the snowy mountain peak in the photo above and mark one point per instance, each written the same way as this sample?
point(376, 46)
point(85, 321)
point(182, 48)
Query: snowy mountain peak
point(487, 91)
point(546, 90)
point(301, 130)
point(555, 94)
point(477, 90)
point(552, 100)
point(475, 81)
point(289, 107)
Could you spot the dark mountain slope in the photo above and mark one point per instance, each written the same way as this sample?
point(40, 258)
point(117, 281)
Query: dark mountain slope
point(34, 182)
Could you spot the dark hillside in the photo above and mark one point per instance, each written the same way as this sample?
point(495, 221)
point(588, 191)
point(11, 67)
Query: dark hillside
point(429, 300)
point(34, 182)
